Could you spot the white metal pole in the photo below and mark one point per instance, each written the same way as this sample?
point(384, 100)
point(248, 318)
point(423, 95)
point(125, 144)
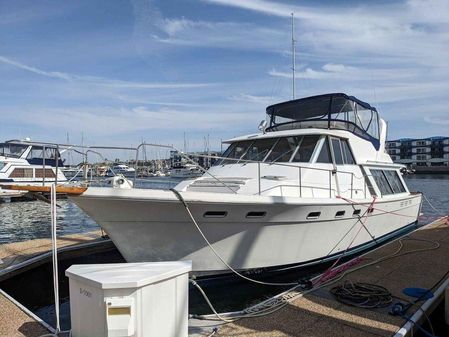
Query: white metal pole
point(55, 254)
point(293, 56)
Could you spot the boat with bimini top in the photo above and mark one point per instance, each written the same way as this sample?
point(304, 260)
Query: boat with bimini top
point(31, 164)
point(315, 183)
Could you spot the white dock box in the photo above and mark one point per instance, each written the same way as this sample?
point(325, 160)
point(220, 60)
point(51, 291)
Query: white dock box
point(129, 299)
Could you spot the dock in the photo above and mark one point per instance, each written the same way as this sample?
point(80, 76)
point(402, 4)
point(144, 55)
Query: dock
point(318, 313)
point(422, 261)
point(15, 319)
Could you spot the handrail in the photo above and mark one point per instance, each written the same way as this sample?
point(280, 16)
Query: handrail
point(300, 167)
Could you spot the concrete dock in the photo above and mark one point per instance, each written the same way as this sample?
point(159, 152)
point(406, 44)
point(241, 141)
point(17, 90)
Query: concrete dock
point(319, 314)
point(315, 313)
point(15, 320)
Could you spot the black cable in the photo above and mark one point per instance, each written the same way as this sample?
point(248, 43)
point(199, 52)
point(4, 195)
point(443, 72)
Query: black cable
point(362, 295)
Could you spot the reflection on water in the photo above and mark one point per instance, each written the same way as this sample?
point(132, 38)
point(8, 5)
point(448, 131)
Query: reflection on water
point(436, 189)
point(21, 221)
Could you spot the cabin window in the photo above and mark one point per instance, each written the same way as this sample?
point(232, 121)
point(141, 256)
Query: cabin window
point(338, 156)
point(325, 153)
point(305, 150)
point(48, 173)
point(22, 173)
point(283, 150)
point(381, 182)
point(347, 154)
point(237, 150)
point(394, 181)
point(259, 149)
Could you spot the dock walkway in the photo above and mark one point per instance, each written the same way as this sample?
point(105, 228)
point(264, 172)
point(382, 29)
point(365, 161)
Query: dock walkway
point(14, 321)
point(319, 314)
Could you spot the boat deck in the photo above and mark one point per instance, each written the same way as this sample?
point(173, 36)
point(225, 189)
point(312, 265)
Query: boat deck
point(316, 313)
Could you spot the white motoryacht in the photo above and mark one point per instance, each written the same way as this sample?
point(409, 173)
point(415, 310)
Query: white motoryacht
point(314, 183)
point(186, 171)
point(27, 163)
point(122, 169)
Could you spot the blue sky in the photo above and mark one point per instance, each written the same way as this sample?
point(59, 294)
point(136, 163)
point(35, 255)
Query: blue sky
point(122, 71)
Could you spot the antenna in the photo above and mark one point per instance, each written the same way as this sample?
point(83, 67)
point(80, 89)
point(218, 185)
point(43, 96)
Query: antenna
point(293, 56)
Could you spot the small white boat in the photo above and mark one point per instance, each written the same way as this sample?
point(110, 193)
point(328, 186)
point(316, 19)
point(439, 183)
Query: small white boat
point(122, 169)
point(186, 171)
point(315, 183)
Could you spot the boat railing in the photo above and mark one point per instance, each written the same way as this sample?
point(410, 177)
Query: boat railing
point(300, 168)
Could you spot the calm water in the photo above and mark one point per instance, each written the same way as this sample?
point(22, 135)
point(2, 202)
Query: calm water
point(20, 221)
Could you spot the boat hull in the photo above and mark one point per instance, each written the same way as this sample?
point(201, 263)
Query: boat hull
point(158, 228)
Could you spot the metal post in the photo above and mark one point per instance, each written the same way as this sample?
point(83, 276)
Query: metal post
point(293, 56)
point(330, 184)
point(43, 166)
point(300, 183)
point(258, 175)
point(136, 166)
point(57, 164)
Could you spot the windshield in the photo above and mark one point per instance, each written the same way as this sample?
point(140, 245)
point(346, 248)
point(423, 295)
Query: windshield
point(285, 149)
point(12, 150)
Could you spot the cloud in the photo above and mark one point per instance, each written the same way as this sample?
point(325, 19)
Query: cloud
point(437, 120)
point(225, 35)
point(252, 98)
point(100, 81)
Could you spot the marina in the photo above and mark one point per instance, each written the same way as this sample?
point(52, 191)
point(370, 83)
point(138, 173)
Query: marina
point(379, 233)
point(244, 168)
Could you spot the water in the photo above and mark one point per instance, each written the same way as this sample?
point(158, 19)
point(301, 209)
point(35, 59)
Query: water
point(23, 221)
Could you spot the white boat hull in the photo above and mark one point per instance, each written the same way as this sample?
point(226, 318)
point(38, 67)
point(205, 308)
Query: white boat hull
point(152, 225)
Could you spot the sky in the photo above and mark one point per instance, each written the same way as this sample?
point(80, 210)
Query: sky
point(116, 72)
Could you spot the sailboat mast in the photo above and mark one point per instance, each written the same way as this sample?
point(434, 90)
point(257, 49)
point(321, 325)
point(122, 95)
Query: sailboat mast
point(293, 56)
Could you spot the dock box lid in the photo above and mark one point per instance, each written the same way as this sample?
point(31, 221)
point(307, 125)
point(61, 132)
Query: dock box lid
point(127, 275)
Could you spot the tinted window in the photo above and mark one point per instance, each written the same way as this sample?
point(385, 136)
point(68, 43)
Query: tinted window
point(236, 151)
point(306, 148)
point(347, 155)
point(259, 149)
point(381, 182)
point(325, 153)
point(337, 151)
point(284, 149)
point(395, 181)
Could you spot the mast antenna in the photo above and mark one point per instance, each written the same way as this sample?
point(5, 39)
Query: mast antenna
point(293, 56)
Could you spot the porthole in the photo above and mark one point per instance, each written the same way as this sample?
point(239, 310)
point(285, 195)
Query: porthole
point(356, 212)
point(256, 214)
point(215, 214)
point(339, 214)
point(313, 215)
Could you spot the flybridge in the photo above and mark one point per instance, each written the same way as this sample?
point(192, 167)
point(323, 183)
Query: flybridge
point(329, 111)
